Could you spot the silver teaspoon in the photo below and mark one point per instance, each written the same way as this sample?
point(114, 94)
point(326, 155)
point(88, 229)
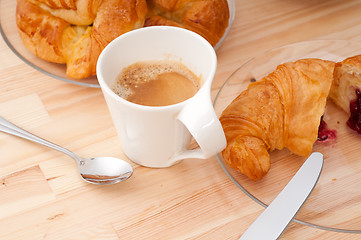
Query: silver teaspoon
point(99, 170)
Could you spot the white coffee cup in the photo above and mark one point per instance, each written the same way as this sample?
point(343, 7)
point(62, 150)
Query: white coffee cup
point(159, 136)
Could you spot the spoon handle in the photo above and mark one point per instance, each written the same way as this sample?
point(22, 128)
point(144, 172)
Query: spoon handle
point(10, 128)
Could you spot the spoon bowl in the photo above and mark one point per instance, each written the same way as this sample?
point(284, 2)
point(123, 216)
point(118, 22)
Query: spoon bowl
point(98, 170)
point(92, 170)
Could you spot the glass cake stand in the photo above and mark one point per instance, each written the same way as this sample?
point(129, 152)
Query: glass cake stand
point(9, 32)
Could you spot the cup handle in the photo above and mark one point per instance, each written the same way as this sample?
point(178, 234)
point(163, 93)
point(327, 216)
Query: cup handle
point(199, 117)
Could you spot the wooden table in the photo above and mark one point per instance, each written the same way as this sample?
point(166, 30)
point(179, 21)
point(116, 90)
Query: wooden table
point(42, 196)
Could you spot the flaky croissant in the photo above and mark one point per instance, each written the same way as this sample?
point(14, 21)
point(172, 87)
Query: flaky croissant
point(208, 18)
point(76, 31)
point(281, 110)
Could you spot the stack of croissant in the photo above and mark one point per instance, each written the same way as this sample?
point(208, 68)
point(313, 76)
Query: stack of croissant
point(283, 110)
point(76, 31)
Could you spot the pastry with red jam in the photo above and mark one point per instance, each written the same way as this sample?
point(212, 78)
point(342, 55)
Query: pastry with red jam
point(346, 90)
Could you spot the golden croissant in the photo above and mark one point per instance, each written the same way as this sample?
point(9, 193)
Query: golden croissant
point(75, 32)
point(208, 18)
point(282, 110)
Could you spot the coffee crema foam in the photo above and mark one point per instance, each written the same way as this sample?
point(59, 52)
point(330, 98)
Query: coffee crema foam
point(140, 74)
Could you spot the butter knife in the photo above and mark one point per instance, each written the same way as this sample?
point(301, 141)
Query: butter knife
point(278, 215)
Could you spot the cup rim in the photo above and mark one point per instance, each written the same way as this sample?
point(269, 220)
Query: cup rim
point(207, 82)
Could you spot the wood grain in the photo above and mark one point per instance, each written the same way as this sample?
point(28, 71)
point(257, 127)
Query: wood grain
point(42, 196)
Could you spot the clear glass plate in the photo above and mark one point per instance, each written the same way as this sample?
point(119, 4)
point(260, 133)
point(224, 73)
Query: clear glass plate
point(8, 30)
point(335, 203)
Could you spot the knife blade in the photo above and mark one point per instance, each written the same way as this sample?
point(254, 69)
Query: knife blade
point(278, 215)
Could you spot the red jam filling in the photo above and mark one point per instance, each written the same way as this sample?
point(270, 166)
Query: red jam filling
point(324, 133)
point(354, 122)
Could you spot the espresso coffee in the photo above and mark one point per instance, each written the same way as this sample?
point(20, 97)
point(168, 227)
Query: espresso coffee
point(157, 83)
